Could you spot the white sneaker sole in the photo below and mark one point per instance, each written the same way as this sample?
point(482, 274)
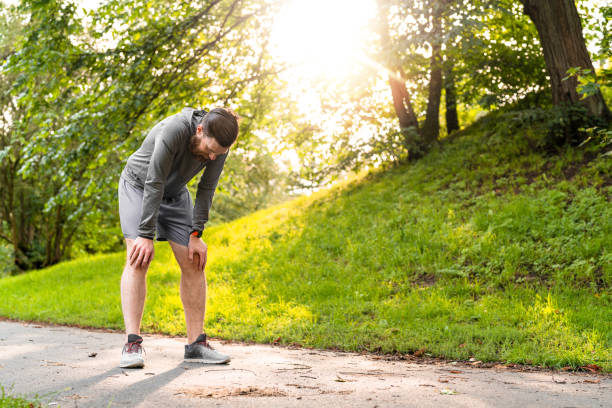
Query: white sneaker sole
point(206, 361)
point(132, 364)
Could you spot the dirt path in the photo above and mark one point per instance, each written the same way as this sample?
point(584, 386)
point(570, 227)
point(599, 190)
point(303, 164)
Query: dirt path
point(58, 363)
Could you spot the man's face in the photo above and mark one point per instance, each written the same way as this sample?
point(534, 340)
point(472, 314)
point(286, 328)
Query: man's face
point(205, 148)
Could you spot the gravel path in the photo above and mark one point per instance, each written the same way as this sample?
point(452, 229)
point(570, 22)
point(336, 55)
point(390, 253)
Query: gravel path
point(71, 367)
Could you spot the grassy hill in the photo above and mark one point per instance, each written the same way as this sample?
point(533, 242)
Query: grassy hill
point(482, 249)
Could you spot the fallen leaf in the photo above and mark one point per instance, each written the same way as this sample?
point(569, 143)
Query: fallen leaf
point(339, 379)
point(426, 385)
point(442, 380)
point(592, 381)
point(593, 368)
point(278, 339)
point(92, 354)
point(456, 371)
point(566, 368)
point(462, 345)
point(420, 352)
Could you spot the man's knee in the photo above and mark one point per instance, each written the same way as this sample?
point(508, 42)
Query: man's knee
point(191, 270)
point(132, 268)
point(139, 270)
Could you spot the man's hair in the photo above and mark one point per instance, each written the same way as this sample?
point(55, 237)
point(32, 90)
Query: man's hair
point(222, 125)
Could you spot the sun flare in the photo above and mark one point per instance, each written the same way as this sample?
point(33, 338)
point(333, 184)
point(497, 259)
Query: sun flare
point(322, 37)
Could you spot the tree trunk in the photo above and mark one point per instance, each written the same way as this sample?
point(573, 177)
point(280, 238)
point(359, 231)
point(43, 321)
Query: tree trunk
point(452, 120)
point(560, 31)
point(431, 127)
point(401, 101)
point(401, 98)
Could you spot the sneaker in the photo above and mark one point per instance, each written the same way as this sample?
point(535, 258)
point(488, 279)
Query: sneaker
point(131, 355)
point(200, 351)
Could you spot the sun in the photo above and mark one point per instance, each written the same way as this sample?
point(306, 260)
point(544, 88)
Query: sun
point(322, 37)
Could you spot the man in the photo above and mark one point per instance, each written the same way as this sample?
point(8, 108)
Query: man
point(153, 198)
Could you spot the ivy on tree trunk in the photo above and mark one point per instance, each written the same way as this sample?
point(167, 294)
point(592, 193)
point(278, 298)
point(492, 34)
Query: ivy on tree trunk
point(563, 45)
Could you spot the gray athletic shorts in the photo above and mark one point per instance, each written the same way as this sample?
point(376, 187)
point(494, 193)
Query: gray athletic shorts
point(173, 219)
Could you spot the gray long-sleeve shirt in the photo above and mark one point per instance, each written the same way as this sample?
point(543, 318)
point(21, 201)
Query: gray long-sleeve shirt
point(163, 166)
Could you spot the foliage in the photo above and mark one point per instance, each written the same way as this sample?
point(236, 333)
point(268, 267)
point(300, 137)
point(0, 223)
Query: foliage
point(590, 83)
point(491, 47)
point(88, 84)
point(251, 181)
point(81, 87)
point(485, 248)
point(11, 401)
point(496, 53)
point(587, 83)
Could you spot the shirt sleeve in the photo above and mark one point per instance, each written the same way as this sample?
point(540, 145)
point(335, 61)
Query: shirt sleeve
point(166, 147)
point(206, 190)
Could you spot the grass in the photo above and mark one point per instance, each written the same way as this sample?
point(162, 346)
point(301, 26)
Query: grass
point(12, 401)
point(482, 249)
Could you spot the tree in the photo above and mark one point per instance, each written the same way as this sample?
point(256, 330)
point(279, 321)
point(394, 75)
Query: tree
point(420, 138)
point(452, 119)
point(563, 45)
point(431, 127)
point(395, 73)
point(85, 93)
point(19, 207)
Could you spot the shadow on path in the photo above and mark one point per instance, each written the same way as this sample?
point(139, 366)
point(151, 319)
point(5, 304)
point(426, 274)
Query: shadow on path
point(137, 392)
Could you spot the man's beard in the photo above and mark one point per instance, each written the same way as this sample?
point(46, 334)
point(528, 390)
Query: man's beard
point(193, 143)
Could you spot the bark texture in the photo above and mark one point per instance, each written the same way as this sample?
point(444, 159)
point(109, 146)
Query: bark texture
point(452, 119)
point(401, 100)
point(563, 45)
point(431, 127)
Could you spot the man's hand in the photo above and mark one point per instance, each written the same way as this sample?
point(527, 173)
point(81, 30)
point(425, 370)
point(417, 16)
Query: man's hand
point(197, 246)
point(141, 253)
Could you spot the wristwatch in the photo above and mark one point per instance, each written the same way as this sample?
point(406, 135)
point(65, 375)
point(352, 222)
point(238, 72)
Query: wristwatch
point(196, 233)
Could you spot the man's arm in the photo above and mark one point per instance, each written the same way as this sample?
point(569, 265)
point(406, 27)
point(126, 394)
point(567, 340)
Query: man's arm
point(206, 190)
point(166, 146)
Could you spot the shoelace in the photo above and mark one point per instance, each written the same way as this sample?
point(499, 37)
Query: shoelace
point(205, 343)
point(134, 345)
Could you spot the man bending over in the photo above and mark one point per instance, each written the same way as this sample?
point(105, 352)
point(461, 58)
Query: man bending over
point(154, 200)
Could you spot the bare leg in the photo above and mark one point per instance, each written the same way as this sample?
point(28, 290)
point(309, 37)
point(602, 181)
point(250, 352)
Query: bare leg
point(193, 292)
point(133, 293)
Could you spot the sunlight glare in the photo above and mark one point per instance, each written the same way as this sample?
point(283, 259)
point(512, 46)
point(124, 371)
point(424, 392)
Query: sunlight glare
point(322, 37)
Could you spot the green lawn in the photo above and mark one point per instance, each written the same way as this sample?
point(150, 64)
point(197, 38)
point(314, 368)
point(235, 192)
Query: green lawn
point(7, 400)
point(481, 249)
